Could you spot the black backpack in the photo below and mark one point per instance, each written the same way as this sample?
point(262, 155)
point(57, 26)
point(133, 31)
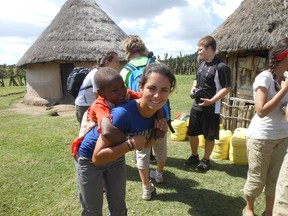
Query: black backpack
point(75, 79)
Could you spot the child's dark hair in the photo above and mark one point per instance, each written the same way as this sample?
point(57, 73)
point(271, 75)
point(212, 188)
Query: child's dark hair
point(109, 56)
point(158, 68)
point(104, 75)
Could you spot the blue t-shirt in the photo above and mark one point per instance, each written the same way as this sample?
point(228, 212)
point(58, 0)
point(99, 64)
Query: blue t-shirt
point(126, 118)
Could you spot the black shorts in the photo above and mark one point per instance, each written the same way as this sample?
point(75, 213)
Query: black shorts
point(204, 123)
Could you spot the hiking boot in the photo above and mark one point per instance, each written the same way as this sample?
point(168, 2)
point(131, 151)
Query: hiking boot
point(148, 191)
point(152, 159)
point(204, 165)
point(192, 161)
point(157, 176)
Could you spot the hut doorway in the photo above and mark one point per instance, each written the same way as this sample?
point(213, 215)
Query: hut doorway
point(65, 70)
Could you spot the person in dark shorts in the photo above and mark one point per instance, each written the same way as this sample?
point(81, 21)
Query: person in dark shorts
point(212, 83)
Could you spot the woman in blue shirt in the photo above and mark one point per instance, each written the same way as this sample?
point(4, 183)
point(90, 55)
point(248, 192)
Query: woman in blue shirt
point(136, 119)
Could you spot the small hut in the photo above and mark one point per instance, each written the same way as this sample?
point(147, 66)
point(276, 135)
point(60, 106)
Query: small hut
point(243, 42)
point(79, 33)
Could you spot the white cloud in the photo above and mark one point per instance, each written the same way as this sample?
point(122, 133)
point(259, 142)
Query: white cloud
point(37, 12)
point(12, 49)
point(166, 26)
point(131, 25)
point(224, 8)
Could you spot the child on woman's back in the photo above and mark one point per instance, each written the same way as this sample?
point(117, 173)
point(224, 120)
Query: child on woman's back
point(112, 92)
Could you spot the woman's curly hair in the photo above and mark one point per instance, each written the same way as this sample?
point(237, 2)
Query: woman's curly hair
point(134, 44)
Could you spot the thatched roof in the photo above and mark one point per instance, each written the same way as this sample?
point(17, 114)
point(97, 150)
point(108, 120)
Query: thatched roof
point(254, 25)
point(79, 32)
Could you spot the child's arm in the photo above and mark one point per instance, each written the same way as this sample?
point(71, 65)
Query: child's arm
point(105, 153)
point(133, 95)
point(111, 133)
point(100, 112)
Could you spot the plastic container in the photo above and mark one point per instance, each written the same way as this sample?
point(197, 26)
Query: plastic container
point(221, 147)
point(180, 128)
point(238, 150)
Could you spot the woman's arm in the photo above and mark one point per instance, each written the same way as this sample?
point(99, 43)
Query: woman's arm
point(262, 106)
point(105, 153)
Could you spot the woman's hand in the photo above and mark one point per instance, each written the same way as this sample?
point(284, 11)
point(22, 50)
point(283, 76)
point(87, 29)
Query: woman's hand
point(284, 84)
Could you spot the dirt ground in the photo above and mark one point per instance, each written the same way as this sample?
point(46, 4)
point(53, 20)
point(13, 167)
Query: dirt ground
point(57, 110)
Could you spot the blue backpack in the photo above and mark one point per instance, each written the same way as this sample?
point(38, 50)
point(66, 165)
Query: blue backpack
point(136, 73)
point(133, 84)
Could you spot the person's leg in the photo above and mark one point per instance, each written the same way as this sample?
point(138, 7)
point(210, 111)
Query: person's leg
point(194, 129)
point(209, 145)
point(210, 126)
point(249, 208)
point(152, 157)
point(90, 187)
point(269, 205)
point(115, 183)
point(278, 148)
point(80, 110)
point(194, 144)
point(259, 154)
point(143, 169)
point(160, 149)
point(281, 195)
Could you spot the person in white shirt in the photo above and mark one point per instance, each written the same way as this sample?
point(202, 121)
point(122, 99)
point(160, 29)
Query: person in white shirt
point(88, 94)
point(267, 135)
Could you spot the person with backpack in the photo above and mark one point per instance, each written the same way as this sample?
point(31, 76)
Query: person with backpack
point(213, 82)
point(88, 90)
point(137, 56)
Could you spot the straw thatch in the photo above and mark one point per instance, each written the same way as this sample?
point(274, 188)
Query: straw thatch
point(254, 25)
point(80, 31)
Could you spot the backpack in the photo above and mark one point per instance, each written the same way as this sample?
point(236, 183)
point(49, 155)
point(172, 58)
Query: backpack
point(75, 79)
point(136, 73)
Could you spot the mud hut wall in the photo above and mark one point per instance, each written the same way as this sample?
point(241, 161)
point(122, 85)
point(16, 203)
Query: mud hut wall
point(247, 69)
point(44, 81)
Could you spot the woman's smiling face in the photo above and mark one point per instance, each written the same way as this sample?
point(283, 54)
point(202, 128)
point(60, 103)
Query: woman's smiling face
point(155, 91)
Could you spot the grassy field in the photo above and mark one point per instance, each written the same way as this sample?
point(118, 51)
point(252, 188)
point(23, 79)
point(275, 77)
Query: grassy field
point(38, 176)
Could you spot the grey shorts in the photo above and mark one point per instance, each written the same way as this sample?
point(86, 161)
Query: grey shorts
point(160, 149)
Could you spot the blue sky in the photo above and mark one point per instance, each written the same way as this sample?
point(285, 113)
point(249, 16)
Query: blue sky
point(166, 26)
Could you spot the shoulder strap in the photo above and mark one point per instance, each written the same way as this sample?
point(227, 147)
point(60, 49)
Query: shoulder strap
point(130, 67)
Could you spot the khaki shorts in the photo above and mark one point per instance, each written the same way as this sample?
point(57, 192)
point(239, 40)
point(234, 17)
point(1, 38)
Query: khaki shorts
point(265, 158)
point(281, 194)
point(160, 149)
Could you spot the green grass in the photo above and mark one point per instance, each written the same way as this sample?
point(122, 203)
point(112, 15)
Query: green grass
point(38, 176)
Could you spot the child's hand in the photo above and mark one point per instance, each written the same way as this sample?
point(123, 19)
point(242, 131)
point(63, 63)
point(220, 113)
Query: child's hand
point(161, 127)
point(138, 142)
point(157, 133)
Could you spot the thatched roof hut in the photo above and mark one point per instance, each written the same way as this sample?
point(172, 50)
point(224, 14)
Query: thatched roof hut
point(243, 42)
point(254, 26)
point(79, 33)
